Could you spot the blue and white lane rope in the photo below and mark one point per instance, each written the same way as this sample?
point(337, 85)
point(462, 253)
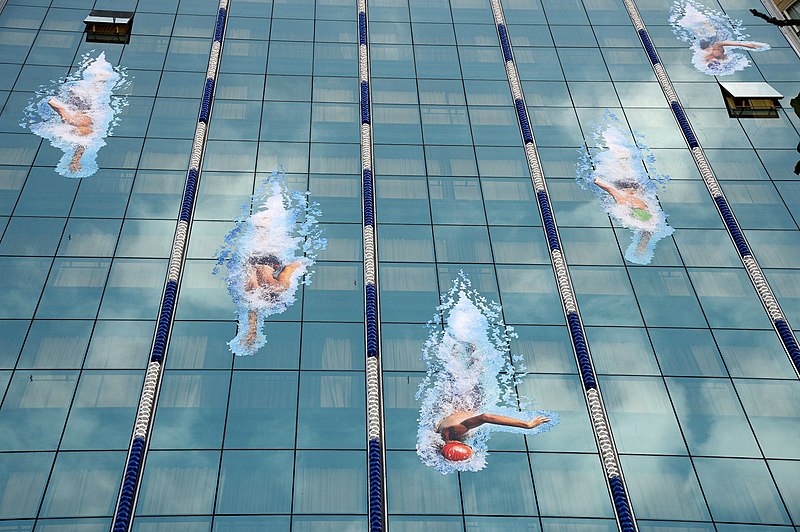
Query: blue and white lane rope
point(597, 412)
point(126, 501)
point(376, 449)
point(765, 294)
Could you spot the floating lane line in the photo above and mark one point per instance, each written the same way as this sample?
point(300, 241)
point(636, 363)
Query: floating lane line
point(751, 266)
point(376, 449)
point(137, 451)
point(609, 457)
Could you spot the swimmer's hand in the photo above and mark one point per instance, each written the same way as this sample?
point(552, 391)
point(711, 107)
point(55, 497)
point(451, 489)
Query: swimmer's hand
point(538, 420)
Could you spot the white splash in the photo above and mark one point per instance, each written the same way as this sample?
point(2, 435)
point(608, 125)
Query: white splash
point(76, 114)
point(267, 256)
point(470, 373)
point(615, 172)
point(716, 40)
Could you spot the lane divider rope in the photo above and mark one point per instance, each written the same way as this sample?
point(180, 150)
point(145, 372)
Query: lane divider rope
point(751, 266)
point(597, 411)
point(137, 451)
point(376, 450)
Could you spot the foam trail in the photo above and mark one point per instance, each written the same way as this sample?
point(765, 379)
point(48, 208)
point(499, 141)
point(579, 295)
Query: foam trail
point(717, 41)
point(628, 193)
point(470, 372)
point(77, 113)
point(267, 256)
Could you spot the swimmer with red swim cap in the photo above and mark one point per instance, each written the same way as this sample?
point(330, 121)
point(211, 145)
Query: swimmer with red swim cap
point(470, 390)
point(455, 427)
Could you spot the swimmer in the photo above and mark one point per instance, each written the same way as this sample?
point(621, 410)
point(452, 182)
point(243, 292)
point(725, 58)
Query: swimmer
point(454, 429)
point(83, 125)
point(711, 35)
point(78, 113)
point(714, 49)
point(267, 256)
point(621, 173)
point(266, 271)
point(470, 390)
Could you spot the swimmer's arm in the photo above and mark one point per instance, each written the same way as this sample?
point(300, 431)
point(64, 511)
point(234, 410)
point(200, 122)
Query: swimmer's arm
point(495, 419)
point(604, 185)
point(742, 44)
point(619, 198)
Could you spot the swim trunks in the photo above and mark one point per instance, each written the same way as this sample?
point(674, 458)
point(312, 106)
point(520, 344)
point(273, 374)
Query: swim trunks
point(641, 214)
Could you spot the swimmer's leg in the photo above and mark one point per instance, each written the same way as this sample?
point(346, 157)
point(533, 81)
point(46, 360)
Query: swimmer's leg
point(644, 240)
point(252, 331)
point(75, 163)
point(248, 338)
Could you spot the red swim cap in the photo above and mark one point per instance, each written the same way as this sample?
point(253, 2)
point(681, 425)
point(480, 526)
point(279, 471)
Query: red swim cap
point(455, 451)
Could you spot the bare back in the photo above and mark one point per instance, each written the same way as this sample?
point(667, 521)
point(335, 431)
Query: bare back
point(452, 427)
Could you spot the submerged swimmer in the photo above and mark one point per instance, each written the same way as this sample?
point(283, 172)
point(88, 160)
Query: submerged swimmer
point(456, 427)
point(713, 50)
point(266, 271)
